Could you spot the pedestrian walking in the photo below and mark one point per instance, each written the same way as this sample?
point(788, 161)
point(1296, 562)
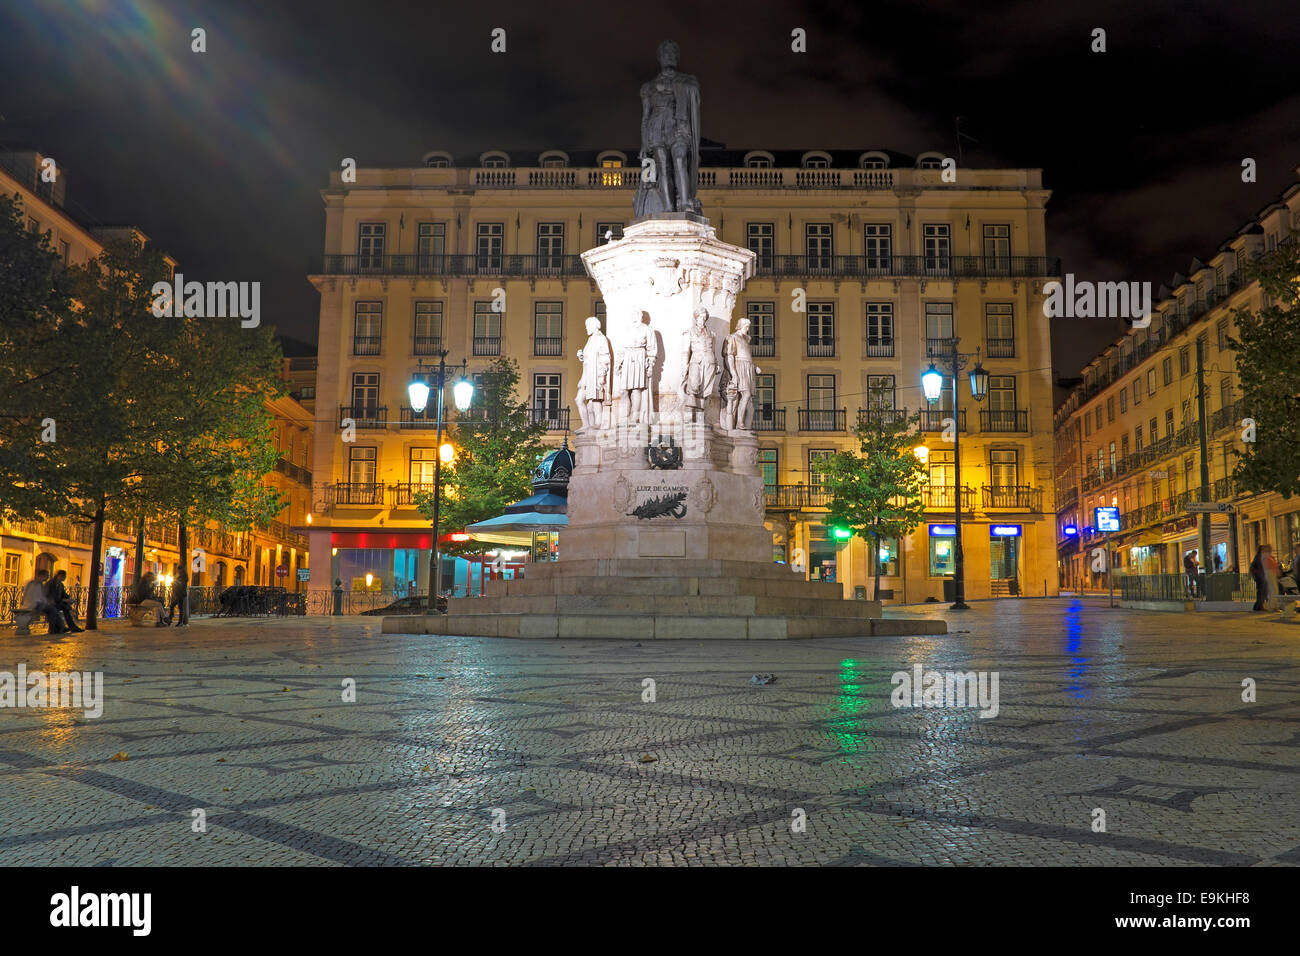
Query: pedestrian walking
point(1193, 569)
point(35, 599)
point(178, 609)
point(56, 592)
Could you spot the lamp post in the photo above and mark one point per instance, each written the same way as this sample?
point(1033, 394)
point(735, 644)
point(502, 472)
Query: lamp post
point(932, 384)
point(418, 392)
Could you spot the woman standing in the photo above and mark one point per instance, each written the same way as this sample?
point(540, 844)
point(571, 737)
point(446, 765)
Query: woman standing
point(1257, 574)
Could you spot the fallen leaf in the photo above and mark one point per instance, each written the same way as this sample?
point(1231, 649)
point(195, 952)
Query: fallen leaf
point(646, 758)
point(120, 755)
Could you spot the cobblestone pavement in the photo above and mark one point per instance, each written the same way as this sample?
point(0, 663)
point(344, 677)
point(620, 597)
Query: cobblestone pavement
point(1135, 713)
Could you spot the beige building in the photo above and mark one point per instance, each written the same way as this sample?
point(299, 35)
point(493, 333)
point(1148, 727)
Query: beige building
point(868, 263)
point(62, 544)
point(1129, 435)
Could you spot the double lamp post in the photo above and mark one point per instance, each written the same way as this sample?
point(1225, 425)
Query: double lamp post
point(422, 382)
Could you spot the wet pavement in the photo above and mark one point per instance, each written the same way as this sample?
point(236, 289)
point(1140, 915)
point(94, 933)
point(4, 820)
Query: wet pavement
point(495, 752)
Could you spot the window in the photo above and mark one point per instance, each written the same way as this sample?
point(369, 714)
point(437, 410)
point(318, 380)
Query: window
point(550, 245)
point(1137, 391)
point(1151, 381)
point(33, 226)
point(821, 392)
point(1137, 437)
point(1087, 426)
point(361, 465)
point(879, 246)
point(1169, 422)
point(758, 162)
point(815, 457)
point(613, 172)
point(1225, 393)
point(1112, 458)
point(1004, 467)
point(367, 322)
point(938, 329)
point(1221, 330)
point(370, 245)
point(943, 550)
point(428, 327)
point(599, 312)
point(1153, 430)
point(997, 248)
point(999, 326)
point(1184, 361)
point(421, 465)
point(768, 461)
point(1002, 394)
point(765, 398)
point(614, 230)
point(487, 329)
point(13, 569)
point(759, 236)
point(1110, 409)
point(816, 162)
point(494, 162)
point(365, 394)
point(1186, 413)
point(437, 162)
point(880, 391)
point(431, 245)
point(65, 251)
point(880, 329)
point(820, 246)
point(546, 395)
point(1097, 415)
point(1123, 401)
point(937, 240)
point(1123, 446)
point(942, 468)
point(548, 328)
point(821, 329)
point(488, 244)
point(761, 317)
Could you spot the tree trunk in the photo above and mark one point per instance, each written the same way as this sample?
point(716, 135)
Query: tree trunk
point(92, 585)
point(875, 563)
point(139, 550)
point(183, 579)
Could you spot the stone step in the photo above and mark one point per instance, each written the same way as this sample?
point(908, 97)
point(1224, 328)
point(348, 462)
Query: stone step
point(706, 605)
point(660, 567)
point(650, 627)
point(788, 585)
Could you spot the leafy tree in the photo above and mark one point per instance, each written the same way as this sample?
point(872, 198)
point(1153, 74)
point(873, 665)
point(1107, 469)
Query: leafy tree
point(498, 447)
point(876, 494)
point(1268, 367)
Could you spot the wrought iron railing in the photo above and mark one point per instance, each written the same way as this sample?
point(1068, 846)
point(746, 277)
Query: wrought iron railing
point(1019, 497)
point(487, 345)
point(404, 494)
point(364, 416)
point(1000, 348)
point(769, 419)
point(944, 497)
point(548, 345)
point(1004, 420)
point(555, 419)
point(359, 493)
point(413, 419)
point(932, 419)
point(822, 419)
point(366, 344)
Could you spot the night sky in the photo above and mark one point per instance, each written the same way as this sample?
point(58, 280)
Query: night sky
point(220, 156)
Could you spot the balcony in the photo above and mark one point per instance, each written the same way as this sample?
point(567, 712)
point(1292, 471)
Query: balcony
point(370, 493)
point(763, 347)
point(938, 348)
point(295, 472)
point(822, 419)
point(487, 345)
point(932, 419)
point(887, 416)
point(404, 494)
point(880, 348)
point(366, 344)
point(821, 348)
point(460, 265)
point(544, 345)
point(769, 419)
point(1066, 498)
point(884, 267)
point(426, 345)
point(944, 497)
point(1004, 420)
point(1000, 348)
point(364, 416)
point(1015, 497)
point(413, 419)
point(555, 419)
point(795, 497)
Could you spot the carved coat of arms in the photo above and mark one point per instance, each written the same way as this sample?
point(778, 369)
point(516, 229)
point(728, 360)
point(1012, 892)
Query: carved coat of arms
point(666, 277)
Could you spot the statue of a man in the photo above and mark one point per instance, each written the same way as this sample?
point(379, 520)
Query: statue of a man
point(699, 368)
point(670, 135)
point(739, 364)
point(636, 361)
point(595, 388)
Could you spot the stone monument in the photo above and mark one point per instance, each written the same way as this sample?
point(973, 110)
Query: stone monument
point(665, 533)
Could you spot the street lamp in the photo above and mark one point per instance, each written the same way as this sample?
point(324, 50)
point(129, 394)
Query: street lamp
point(422, 382)
point(932, 384)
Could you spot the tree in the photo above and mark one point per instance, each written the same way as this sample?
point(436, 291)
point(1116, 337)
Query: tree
point(1268, 368)
point(876, 494)
point(498, 447)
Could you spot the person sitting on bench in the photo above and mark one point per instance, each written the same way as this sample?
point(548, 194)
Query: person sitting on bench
point(145, 596)
point(34, 600)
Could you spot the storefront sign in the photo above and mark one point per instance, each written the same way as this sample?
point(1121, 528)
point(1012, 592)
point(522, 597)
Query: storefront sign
point(943, 530)
point(1107, 519)
point(1004, 531)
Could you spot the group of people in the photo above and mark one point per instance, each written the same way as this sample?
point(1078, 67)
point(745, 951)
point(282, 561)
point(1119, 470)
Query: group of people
point(1268, 573)
point(48, 595)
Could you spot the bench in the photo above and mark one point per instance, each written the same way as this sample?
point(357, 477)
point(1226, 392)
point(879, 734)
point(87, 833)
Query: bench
point(136, 613)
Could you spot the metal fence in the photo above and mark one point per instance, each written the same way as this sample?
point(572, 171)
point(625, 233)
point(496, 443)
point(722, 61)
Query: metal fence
point(1180, 587)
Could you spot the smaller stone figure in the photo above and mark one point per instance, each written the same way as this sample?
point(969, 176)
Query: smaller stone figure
point(699, 368)
point(738, 363)
point(595, 387)
point(635, 365)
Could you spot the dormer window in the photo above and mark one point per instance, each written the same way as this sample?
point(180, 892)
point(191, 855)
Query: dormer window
point(873, 161)
point(494, 160)
point(816, 162)
point(553, 159)
point(929, 161)
point(758, 162)
point(437, 159)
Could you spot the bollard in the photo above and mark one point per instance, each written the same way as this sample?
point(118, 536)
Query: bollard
point(338, 596)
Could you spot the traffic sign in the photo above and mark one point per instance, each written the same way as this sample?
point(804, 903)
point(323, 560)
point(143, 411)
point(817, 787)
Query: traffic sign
point(1209, 507)
point(282, 571)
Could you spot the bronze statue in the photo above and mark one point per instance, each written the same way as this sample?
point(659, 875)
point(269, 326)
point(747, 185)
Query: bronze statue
point(670, 136)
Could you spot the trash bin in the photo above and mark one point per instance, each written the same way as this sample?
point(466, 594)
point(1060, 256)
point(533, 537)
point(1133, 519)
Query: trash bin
point(859, 592)
point(950, 589)
point(1219, 587)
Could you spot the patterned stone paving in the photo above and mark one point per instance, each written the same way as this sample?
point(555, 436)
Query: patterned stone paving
point(1137, 713)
